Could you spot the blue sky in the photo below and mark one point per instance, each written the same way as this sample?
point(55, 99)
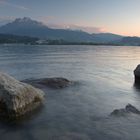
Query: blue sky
point(116, 16)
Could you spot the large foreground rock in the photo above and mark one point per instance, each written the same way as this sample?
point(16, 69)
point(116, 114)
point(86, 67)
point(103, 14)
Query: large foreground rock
point(56, 82)
point(137, 74)
point(124, 111)
point(17, 98)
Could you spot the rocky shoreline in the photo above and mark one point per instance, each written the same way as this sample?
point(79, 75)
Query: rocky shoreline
point(17, 98)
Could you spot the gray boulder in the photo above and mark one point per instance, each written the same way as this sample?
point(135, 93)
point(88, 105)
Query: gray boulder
point(124, 111)
point(56, 83)
point(137, 74)
point(17, 98)
point(119, 112)
point(130, 108)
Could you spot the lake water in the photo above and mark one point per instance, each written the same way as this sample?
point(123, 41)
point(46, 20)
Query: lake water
point(105, 81)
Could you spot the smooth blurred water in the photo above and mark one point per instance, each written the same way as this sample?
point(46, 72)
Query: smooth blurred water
point(105, 81)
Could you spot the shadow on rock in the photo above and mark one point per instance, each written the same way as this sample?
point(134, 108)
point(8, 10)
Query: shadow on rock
point(136, 86)
point(21, 119)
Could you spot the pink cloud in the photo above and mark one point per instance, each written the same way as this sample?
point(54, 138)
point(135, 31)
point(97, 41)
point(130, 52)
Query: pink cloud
point(86, 28)
point(54, 22)
point(51, 22)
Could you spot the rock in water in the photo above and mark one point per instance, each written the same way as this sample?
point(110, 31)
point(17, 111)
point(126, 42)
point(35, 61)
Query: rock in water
point(132, 109)
point(17, 98)
point(119, 112)
point(56, 83)
point(137, 74)
point(124, 111)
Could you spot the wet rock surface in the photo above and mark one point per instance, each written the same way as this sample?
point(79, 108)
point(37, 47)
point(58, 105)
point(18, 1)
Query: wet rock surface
point(124, 111)
point(55, 83)
point(137, 74)
point(17, 98)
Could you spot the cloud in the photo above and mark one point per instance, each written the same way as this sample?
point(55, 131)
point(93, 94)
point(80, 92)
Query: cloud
point(86, 28)
point(6, 19)
point(78, 27)
point(3, 2)
point(54, 22)
point(2, 18)
point(46, 19)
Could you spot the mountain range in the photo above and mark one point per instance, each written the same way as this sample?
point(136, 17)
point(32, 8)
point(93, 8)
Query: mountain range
point(28, 27)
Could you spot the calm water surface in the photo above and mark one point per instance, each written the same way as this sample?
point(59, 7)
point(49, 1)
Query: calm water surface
point(104, 76)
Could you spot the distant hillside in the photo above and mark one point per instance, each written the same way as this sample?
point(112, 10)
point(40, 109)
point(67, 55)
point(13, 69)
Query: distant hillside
point(106, 37)
point(28, 27)
point(134, 41)
point(127, 41)
point(6, 38)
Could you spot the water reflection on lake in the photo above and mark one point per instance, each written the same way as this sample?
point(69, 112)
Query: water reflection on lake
point(105, 82)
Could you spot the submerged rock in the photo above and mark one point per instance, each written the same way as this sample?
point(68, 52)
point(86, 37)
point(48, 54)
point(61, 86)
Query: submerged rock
point(118, 112)
point(56, 83)
point(124, 111)
point(17, 98)
point(132, 109)
point(137, 74)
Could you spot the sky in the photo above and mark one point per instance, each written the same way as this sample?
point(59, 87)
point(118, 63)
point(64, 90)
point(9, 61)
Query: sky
point(114, 16)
